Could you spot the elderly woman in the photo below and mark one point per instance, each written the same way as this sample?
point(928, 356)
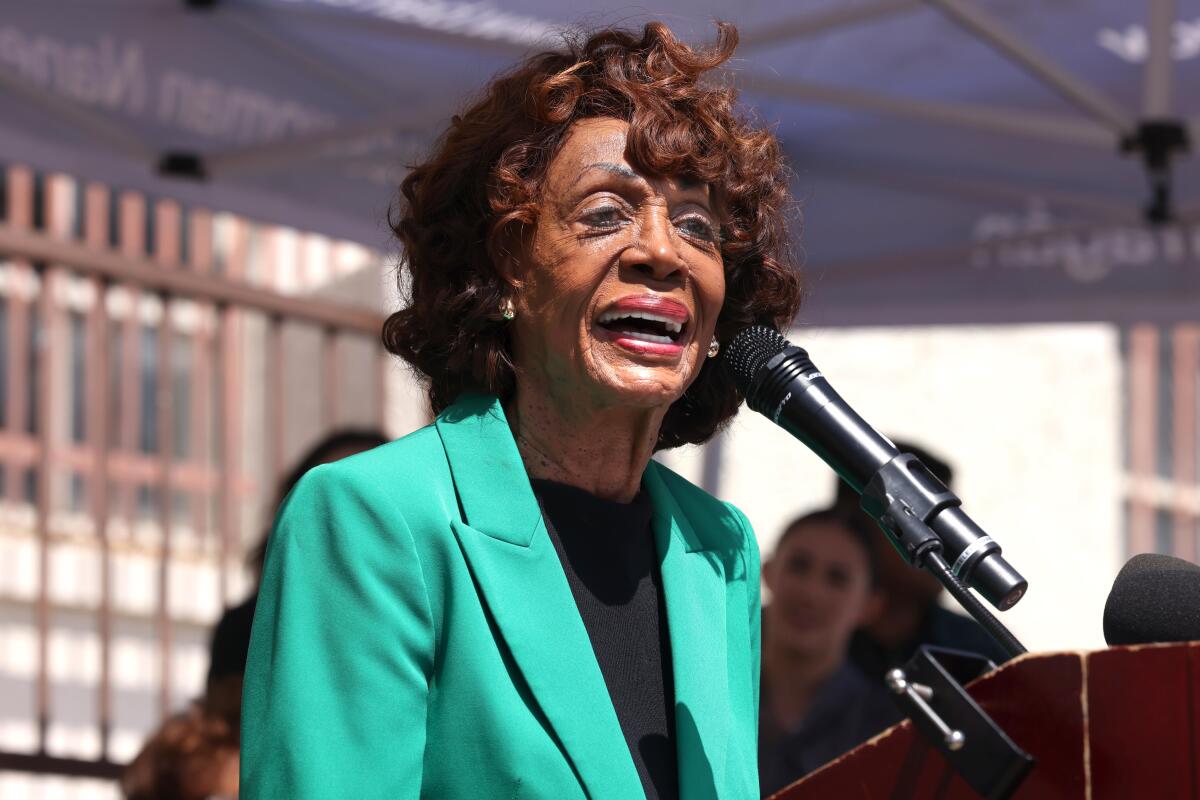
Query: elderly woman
point(516, 601)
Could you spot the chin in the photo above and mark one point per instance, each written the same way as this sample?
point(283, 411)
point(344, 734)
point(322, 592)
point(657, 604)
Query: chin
point(646, 388)
point(641, 383)
point(808, 644)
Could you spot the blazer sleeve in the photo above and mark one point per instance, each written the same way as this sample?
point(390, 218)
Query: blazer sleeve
point(341, 652)
point(754, 603)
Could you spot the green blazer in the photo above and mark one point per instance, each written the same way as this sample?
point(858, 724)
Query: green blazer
point(415, 635)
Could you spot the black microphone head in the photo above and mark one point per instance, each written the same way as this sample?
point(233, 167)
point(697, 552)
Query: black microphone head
point(749, 350)
point(1155, 598)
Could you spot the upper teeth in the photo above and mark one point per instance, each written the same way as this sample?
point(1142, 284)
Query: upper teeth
point(672, 325)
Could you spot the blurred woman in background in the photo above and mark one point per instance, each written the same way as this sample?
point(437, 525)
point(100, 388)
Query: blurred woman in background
point(816, 705)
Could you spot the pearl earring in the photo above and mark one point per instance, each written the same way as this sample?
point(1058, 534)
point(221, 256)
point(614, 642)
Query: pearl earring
point(714, 347)
point(507, 311)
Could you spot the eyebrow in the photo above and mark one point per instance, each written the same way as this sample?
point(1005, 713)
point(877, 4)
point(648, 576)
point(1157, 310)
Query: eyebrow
point(607, 166)
point(685, 183)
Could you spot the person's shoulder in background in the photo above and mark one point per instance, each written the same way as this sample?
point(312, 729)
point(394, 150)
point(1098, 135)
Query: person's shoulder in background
point(231, 640)
point(940, 628)
point(945, 628)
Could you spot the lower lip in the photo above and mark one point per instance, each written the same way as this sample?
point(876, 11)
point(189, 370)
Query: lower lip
point(641, 346)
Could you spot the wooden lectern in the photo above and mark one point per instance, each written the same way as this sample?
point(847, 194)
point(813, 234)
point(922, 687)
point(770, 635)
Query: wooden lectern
point(1116, 724)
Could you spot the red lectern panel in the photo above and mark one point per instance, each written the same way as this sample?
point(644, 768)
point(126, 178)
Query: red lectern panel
point(1115, 724)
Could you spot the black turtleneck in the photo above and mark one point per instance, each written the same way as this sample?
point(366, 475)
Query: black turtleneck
point(607, 551)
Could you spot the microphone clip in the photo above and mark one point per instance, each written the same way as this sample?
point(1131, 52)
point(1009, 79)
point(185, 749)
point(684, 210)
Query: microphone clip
point(904, 496)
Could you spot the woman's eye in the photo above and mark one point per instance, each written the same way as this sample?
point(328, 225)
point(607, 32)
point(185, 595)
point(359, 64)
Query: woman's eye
point(698, 227)
point(605, 217)
point(799, 565)
point(838, 578)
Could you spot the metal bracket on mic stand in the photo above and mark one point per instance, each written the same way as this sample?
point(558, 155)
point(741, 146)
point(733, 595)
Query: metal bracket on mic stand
point(929, 690)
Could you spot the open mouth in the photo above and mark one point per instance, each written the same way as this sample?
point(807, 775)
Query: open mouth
point(645, 326)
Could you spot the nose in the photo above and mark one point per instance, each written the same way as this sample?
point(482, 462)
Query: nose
point(655, 250)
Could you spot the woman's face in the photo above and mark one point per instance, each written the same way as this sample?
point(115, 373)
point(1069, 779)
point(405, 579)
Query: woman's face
point(621, 280)
point(820, 589)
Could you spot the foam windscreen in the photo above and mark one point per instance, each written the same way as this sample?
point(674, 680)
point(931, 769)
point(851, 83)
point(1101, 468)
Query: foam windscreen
point(1155, 598)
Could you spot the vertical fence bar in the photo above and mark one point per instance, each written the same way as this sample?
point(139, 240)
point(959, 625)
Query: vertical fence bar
point(331, 384)
point(230, 333)
point(1143, 427)
point(274, 404)
point(1186, 365)
point(20, 215)
point(52, 414)
point(226, 513)
point(44, 500)
point(98, 380)
point(166, 254)
point(131, 234)
point(166, 502)
point(199, 224)
point(95, 233)
point(46, 353)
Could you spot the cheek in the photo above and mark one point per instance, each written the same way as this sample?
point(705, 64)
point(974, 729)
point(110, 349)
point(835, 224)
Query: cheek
point(801, 588)
point(710, 295)
point(549, 273)
point(561, 277)
point(849, 607)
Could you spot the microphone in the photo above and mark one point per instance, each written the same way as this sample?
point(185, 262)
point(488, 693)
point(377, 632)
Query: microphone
point(779, 381)
point(1155, 598)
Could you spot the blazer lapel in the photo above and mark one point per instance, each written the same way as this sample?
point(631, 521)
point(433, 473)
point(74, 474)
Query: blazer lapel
point(693, 580)
point(517, 570)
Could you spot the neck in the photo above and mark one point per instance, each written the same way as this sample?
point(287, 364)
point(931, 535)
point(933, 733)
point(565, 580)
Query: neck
point(794, 678)
point(602, 450)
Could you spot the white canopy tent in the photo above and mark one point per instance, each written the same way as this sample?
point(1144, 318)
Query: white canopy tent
point(957, 160)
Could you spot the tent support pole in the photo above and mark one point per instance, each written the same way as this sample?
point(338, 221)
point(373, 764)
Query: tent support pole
point(821, 22)
point(1013, 122)
point(987, 28)
point(1156, 98)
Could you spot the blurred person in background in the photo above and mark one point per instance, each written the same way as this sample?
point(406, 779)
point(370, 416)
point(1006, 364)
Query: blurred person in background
point(231, 636)
point(194, 754)
point(816, 705)
point(517, 601)
point(909, 613)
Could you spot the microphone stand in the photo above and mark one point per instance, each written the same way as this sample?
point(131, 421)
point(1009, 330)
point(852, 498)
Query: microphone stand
point(929, 688)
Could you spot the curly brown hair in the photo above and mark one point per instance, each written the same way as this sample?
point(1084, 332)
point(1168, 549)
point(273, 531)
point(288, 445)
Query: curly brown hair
point(481, 185)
